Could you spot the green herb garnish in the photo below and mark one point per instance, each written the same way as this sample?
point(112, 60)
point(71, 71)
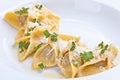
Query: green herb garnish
point(26, 45)
point(54, 37)
point(101, 45)
point(23, 46)
point(86, 56)
point(46, 33)
point(31, 29)
point(73, 46)
point(37, 21)
point(39, 7)
point(41, 66)
point(21, 50)
point(37, 47)
point(74, 62)
point(104, 49)
point(27, 34)
point(22, 11)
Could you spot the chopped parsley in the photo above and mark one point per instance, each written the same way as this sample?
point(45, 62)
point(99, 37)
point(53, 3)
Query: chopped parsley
point(31, 29)
point(22, 11)
point(37, 47)
point(21, 50)
point(54, 37)
point(46, 33)
point(37, 21)
point(86, 56)
point(101, 45)
point(41, 66)
point(104, 49)
point(23, 46)
point(39, 7)
point(73, 46)
point(27, 34)
point(74, 62)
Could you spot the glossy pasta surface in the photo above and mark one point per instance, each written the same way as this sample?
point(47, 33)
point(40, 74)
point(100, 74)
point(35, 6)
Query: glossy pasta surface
point(38, 35)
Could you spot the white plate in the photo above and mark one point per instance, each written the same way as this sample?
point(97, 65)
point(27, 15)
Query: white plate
point(92, 21)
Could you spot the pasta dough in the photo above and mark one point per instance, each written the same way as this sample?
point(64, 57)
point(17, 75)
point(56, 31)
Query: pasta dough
point(35, 37)
point(68, 69)
point(38, 35)
point(49, 52)
point(46, 55)
point(16, 21)
point(94, 66)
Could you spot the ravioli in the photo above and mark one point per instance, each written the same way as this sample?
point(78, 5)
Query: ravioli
point(49, 52)
point(64, 43)
point(26, 22)
point(93, 67)
point(16, 21)
point(35, 39)
point(46, 55)
point(39, 36)
point(100, 63)
point(48, 20)
point(68, 69)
